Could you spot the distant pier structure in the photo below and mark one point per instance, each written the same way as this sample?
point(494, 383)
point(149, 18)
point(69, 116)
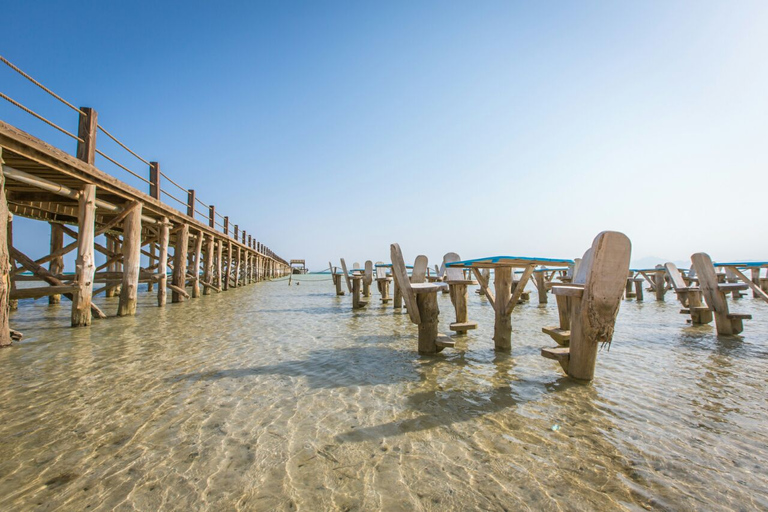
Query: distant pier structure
point(299, 267)
point(190, 249)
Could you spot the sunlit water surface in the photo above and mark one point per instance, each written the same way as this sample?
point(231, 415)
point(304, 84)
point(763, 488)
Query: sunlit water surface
point(273, 397)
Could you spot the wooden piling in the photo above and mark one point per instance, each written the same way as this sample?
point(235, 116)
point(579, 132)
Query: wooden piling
point(208, 264)
point(131, 263)
point(429, 313)
point(541, 286)
point(5, 264)
point(502, 328)
point(162, 262)
point(56, 265)
point(84, 264)
point(196, 265)
point(180, 263)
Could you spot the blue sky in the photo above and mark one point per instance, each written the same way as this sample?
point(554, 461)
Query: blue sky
point(332, 129)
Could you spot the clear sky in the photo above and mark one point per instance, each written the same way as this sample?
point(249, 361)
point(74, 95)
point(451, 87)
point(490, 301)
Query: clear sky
point(332, 129)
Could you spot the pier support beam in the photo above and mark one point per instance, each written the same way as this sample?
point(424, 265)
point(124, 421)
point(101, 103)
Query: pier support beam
point(129, 291)
point(219, 255)
point(57, 264)
point(14, 304)
point(162, 263)
point(84, 264)
point(180, 263)
point(5, 264)
point(196, 265)
point(208, 264)
point(152, 260)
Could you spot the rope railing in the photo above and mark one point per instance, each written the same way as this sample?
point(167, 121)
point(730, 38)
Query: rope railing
point(123, 167)
point(22, 73)
point(204, 214)
point(32, 112)
point(120, 143)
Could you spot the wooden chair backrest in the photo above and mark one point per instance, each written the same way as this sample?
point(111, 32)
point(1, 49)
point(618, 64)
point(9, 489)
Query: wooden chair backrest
point(400, 273)
point(581, 267)
point(346, 275)
point(355, 266)
point(368, 276)
point(419, 274)
point(381, 272)
point(441, 270)
point(452, 274)
point(607, 264)
point(708, 282)
point(675, 276)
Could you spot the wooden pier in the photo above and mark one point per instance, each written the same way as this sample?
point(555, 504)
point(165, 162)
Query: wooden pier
point(204, 251)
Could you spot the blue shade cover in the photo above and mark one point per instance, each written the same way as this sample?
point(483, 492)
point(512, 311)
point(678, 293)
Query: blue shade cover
point(650, 269)
point(388, 265)
point(508, 261)
point(746, 264)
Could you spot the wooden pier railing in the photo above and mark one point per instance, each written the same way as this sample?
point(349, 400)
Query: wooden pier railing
point(42, 182)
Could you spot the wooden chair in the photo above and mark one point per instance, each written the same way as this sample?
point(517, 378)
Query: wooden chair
point(382, 281)
point(421, 301)
point(457, 287)
point(714, 294)
point(689, 296)
point(336, 279)
point(731, 277)
point(419, 273)
point(595, 296)
point(354, 284)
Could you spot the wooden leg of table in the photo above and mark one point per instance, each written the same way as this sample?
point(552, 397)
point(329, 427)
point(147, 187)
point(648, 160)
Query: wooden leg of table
point(428, 311)
point(502, 329)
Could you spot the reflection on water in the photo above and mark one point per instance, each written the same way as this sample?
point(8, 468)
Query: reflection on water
point(276, 397)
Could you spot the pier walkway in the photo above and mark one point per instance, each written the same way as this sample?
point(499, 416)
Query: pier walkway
point(190, 252)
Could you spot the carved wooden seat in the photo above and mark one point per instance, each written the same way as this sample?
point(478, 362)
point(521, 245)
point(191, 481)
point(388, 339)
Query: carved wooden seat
point(420, 300)
point(589, 305)
point(457, 287)
point(367, 278)
point(689, 296)
point(382, 281)
point(714, 295)
point(354, 284)
point(336, 277)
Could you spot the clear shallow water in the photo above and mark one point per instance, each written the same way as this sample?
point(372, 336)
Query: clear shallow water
point(272, 397)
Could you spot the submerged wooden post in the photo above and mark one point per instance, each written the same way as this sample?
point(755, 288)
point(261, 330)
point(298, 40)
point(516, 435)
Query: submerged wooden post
point(659, 283)
point(228, 267)
point(152, 260)
point(196, 265)
point(57, 264)
point(111, 267)
point(5, 264)
point(162, 262)
point(208, 264)
point(429, 313)
point(502, 328)
point(638, 289)
point(219, 255)
point(236, 281)
point(14, 304)
point(180, 263)
point(131, 263)
point(84, 264)
point(541, 286)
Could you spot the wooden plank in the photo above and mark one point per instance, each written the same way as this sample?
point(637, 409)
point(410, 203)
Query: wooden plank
point(419, 273)
point(196, 265)
point(403, 282)
point(42, 291)
point(484, 287)
point(57, 263)
point(756, 290)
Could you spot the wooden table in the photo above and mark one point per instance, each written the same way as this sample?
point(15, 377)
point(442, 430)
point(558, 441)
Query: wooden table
point(503, 298)
point(759, 285)
point(656, 277)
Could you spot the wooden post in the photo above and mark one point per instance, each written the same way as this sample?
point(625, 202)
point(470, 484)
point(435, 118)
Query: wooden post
point(226, 226)
point(208, 265)
point(755, 279)
point(356, 302)
point(212, 217)
point(639, 289)
point(162, 262)
point(84, 264)
point(541, 286)
point(502, 328)
point(426, 303)
point(111, 267)
point(131, 263)
point(238, 263)
point(219, 254)
point(180, 262)
point(86, 131)
point(154, 180)
point(14, 304)
point(191, 203)
point(152, 260)
point(228, 267)
point(659, 284)
point(196, 265)
point(5, 264)
point(57, 264)
point(459, 298)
